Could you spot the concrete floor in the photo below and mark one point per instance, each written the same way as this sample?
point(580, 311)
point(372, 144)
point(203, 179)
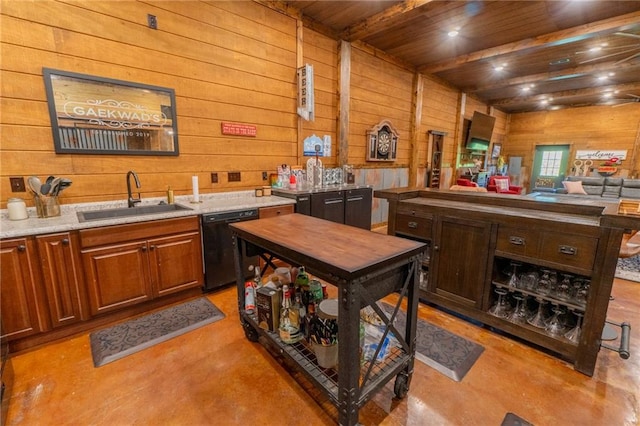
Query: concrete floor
point(215, 376)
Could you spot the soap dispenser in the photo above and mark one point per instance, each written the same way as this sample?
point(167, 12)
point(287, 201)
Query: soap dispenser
point(170, 198)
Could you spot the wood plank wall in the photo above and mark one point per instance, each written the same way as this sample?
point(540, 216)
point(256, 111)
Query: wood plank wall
point(236, 61)
point(322, 53)
point(227, 61)
point(588, 128)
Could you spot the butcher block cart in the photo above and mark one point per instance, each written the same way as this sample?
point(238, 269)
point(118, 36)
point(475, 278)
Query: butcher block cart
point(364, 266)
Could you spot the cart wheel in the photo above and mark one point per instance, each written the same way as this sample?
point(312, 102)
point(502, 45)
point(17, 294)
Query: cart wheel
point(401, 386)
point(250, 332)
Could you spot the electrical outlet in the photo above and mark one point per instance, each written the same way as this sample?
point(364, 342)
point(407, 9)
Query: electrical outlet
point(265, 176)
point(152, 21)
point(214, 177)
point(17, 184)
point(233, 177)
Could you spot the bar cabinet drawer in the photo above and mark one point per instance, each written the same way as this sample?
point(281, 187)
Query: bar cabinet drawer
point(571, 250)
point(523, 242)
point(411, 224)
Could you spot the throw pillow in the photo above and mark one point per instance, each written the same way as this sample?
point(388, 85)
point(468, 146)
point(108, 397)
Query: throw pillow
point(502, 184)
point(574, 187)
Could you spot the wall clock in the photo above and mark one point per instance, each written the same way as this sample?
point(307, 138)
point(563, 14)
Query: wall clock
point(382, 142)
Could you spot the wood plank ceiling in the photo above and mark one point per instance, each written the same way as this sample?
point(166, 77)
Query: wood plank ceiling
point(553, 54)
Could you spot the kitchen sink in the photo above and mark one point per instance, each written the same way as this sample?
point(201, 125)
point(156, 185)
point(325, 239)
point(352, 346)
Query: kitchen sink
point(85, 216)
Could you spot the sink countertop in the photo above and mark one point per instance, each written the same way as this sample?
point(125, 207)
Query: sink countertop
point(68, 219)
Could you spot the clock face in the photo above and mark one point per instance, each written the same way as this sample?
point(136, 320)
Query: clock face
point(384, 142)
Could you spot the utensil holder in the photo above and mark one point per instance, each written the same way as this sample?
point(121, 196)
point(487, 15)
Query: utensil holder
point(47, 206)
point(327, 356)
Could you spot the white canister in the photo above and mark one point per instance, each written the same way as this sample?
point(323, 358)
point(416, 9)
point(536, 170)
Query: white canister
point(17, 209)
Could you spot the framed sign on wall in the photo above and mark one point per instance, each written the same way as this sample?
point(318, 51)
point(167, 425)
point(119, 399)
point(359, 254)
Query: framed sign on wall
point(95, 115)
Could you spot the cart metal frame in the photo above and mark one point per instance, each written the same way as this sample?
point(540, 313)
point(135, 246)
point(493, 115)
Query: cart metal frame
point(394, 270)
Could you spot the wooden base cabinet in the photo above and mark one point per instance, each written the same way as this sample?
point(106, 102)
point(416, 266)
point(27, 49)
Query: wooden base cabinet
point(490, 254)
point(130, 264)
point(460, 278)
point(62, 278)
point(22, 309)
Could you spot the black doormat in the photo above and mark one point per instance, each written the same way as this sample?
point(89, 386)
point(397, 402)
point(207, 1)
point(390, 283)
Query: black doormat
point(440, 349)
point(124, 339)
point(511, 419)
point(629, 268)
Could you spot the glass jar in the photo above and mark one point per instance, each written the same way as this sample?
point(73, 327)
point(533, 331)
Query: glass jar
point(17, 209)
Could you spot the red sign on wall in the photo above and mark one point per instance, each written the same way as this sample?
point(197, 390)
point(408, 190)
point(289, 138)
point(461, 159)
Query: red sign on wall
point(238, 129)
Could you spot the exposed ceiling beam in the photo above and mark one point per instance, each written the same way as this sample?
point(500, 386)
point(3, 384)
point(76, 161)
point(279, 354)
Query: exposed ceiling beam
point(557, 96)
point(559, 37)
point(546, 76)
point(380, 21)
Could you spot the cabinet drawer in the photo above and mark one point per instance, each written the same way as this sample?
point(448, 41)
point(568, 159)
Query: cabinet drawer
point(275, 211)
point(571, 250)
point(523, 242)
point(417, 226)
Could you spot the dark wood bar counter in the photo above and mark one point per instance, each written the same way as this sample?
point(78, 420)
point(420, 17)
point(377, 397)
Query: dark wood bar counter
point(535, 267)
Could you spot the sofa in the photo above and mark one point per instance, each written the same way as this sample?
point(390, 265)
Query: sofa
point(606, 188)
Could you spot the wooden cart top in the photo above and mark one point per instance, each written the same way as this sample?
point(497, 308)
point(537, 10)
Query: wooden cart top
point(341, 250)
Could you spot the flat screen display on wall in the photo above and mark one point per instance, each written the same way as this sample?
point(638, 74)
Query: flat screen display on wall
point(480, 132)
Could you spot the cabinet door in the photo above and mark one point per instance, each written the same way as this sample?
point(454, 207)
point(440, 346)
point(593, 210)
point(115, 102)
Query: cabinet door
point(117, 276)
point(357, 209)
point(61, 274)
point(176, 263)
point(303, 204)
point(328, 205)
point(461, 252)
point(21, 313)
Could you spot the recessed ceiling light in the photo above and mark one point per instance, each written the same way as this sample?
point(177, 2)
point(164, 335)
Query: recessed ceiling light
point(454, 32)
point(560, 61)
point(500, 67)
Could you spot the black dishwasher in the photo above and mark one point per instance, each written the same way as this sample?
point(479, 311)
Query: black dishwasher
point(218, 248)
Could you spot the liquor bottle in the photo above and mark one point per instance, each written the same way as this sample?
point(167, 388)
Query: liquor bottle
point(257, 280)
point(302, 313)
point(309, 318)
point(249, 297)
point(289, 328)
point(302, 279)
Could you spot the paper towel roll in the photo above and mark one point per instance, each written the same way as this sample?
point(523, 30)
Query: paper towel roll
point(196, 193)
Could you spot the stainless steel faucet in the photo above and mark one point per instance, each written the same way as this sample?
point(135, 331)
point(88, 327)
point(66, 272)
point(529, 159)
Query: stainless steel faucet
point(132, 201)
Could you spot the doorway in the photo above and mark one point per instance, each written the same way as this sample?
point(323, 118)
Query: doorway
point(549, 166)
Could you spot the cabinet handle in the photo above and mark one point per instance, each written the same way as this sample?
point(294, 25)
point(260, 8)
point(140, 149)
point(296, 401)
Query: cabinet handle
point(355, 199)
point(335, 201)
point(436, 248)
point(303, 199)
point(518, 241)
point(152, 247)
point(65, 241)
point(572, 251)
point(412, 225)
point(143, 248)
point(22, 248)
